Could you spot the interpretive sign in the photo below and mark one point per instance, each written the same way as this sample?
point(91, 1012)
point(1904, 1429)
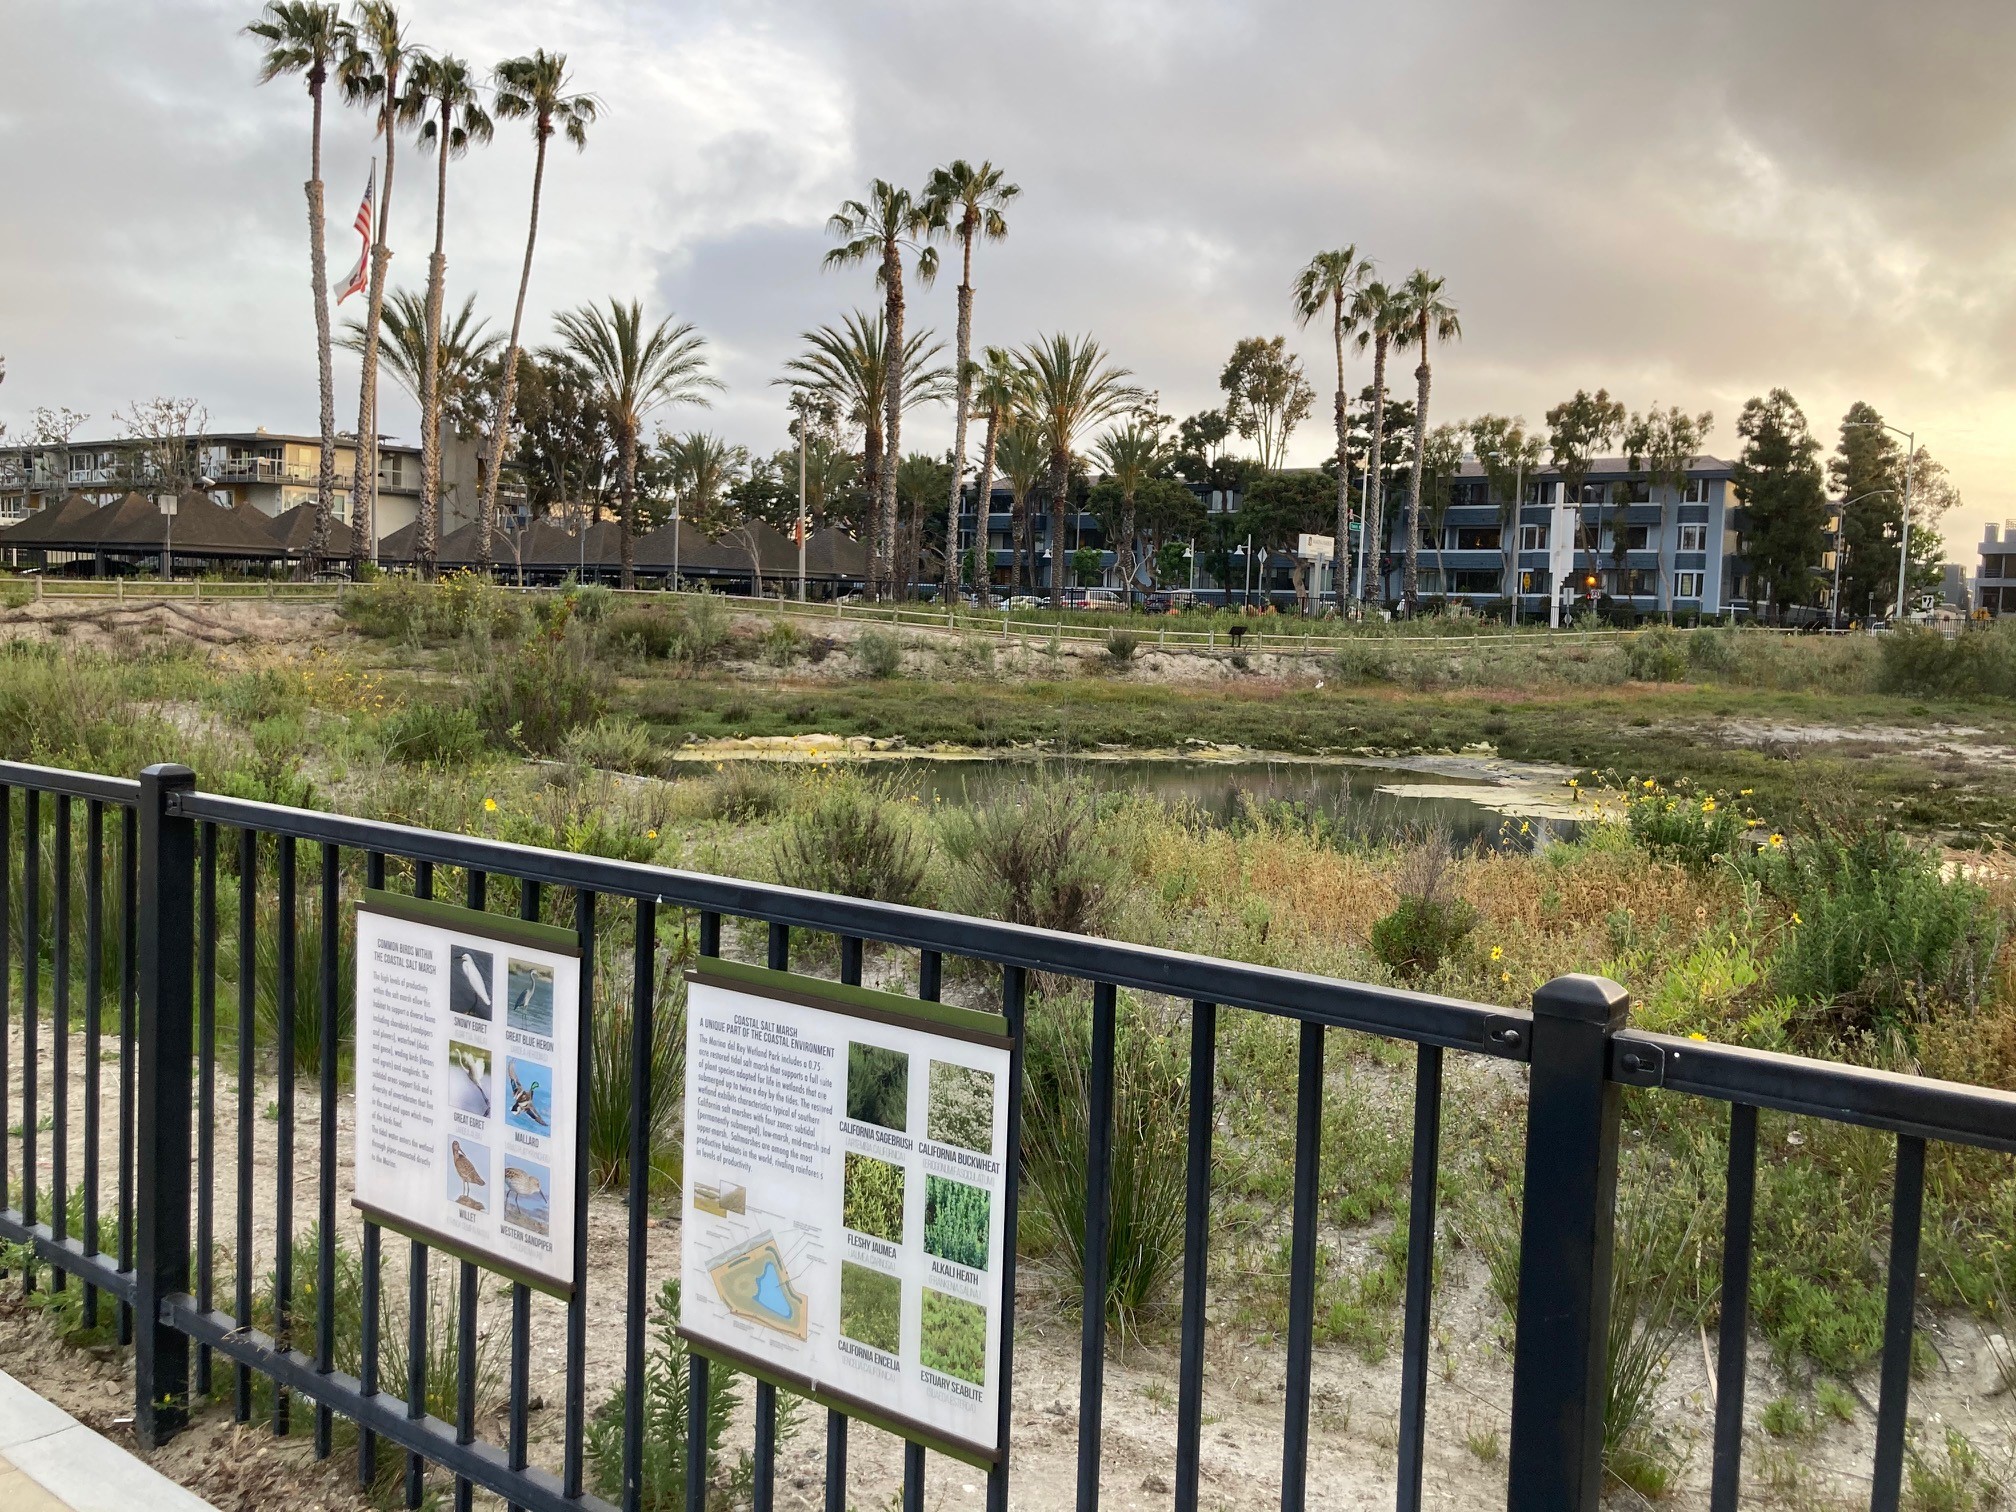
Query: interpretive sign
point(845, 1205)
point(468, 1033)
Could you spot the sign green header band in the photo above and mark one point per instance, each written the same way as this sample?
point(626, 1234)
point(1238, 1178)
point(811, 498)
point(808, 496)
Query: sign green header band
point(865, 1002)
point(490, 926)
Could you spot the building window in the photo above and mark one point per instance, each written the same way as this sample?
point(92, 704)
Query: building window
point(1532, 537)
point(1539, 493)
point(1687, 585)
point(1477, 537)
point(1693, 538)
point(1696, 491)
point(1636, 491)
point(1474, 580)
point(1595, 493)
point(1635, 537)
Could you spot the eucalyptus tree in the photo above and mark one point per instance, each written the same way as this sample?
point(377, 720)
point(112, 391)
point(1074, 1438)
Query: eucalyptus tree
point(443, 93)
point(1374, 314)
point(1131, 454)
point(1441, 460)
point(884, 226)
point(637, 372)
point(1330, 282)
point(1068, 386)
point(1508, 456)
point(371, 72)
point(848, 365)
point(1578, 430)
point(968, 200)
point(1424, 316)
point(1266, 396)
point(1024, 461)
point(995, 394)
point(536, 88)
point(310, 39)
point(462, 353)
point(1663, 444)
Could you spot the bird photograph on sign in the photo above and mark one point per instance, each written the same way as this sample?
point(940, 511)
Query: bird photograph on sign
point(468, 1174)
point(528, 1103)
point(469, 983)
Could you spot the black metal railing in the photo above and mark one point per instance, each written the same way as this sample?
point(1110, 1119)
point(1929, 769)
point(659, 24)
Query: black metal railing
point(167, 843)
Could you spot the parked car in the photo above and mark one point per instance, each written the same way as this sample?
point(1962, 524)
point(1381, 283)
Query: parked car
point(1025, 601)
point(1093, 598)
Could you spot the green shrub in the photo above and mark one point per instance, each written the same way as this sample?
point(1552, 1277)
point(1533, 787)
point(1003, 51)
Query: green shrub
point(1657, 655)
point(431, 733)
point(1121, 646)
point(782, 644)
point(1876, 936)
point(1150, 1101)
point(1362, 659)
point(15, 594)
point(590, 602)
point(1677, 824)
point(613, 743)
point(1951, 1476)
point(1033, 855)
point(878, 654)
point(744, 792)
point(532, 695)
point(703, 629)
point(263, 693)
point(463, 603)
point(647, 632)
point(853, 838)
point(1428, 923)
point(1979, 662)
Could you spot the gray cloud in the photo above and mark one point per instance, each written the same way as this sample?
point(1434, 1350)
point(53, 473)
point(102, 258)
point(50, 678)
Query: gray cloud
point(1682, 203)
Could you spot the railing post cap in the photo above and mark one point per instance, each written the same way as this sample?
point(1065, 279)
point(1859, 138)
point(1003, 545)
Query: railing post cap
point(169, 774)
point(1584, 999)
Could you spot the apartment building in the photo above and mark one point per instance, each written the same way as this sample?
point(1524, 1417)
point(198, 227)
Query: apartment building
point(1995, 578)
point(269, 471)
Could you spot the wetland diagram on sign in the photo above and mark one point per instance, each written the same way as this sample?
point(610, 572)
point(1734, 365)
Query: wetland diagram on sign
point(754, 1284)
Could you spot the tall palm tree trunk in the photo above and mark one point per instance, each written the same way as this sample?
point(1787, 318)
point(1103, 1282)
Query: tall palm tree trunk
point(1123, 556)
point(628, 438)
point(872, 453)
point(1020, 549)
point(318, 276)
point(1375, 507)
point(1340, 555)
point(1060, 491)
point(962, 399)
point(430, 371)
point(892, 413)
point(983, 556)
point(1410, 583)
point(364, 492)
point(500, 439)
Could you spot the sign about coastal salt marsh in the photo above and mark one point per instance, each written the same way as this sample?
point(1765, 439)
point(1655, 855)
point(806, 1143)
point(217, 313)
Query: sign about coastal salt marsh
point(845, 1203)
point(468, 1036)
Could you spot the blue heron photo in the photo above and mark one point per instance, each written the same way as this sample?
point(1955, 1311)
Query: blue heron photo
point(529, 998)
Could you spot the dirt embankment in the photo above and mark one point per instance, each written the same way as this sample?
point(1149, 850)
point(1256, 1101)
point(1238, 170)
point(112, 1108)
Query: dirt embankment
point(136, 623)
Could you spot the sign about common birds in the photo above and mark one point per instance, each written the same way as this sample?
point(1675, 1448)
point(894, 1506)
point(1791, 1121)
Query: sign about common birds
point(846, 1194)
point(468, 1037)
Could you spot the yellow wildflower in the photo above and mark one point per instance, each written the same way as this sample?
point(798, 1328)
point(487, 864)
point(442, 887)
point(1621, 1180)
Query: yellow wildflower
point(1776, 842)
point(1650, 784)
point(650, 834)
point(1795, 917)
point(1697, 1035)
point(489, 805)
point(1497, 952)
point(1707, 805)
point(1504, 976)
point(1745, 792)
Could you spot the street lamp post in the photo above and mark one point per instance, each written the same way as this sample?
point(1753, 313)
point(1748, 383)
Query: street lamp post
point(1904, 535)
point(1840, 522)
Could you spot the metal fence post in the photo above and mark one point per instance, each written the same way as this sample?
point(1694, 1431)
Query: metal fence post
point(167, 958)
point(1559, 1359)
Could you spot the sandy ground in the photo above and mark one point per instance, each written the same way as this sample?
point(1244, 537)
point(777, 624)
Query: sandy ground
point(1354, 1428)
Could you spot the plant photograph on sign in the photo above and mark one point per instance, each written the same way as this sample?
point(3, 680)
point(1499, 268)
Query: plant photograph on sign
point(962, 1107)
point(469, 1175)
point(955, 1221)
point(878, 1086)
point(528, 1195)
point(528, 992)
point(871, 1307)
point(872, 1198)
point(528, 1099)
point(470, 975)
point(469, 1078)
point(955, 1337)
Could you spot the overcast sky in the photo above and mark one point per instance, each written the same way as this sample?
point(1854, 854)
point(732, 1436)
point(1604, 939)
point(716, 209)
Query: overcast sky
point(1686, 204)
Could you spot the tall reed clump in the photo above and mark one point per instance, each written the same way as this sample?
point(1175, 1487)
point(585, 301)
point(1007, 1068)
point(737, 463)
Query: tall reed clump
point(612, 1060)
point(854, 837)
point(1429, 921)
point(1150, 1102)
point(1033, 854)
point(530, 696)
point(77, 711)
point(304, 1002)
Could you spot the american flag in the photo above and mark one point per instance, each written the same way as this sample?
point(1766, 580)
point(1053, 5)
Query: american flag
point(358, 277)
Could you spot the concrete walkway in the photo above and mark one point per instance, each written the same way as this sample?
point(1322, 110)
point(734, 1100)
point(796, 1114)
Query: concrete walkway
point(50, 1462)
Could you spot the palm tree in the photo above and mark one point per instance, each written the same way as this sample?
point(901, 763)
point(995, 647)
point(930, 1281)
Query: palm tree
point(307, 39)
point(636, 372)
point(1374, 313)
point(994, 395)
point(461, 353)
point(849, 365)
point(443, 93)
point(534, 89)
point(1424, 313)
point(1130, 454)
point(978, 195)
point(1333, 279)
point(1068, 386)
point(884, 226)
point(379, 52)
point(702, 468)
point(1024, 459)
